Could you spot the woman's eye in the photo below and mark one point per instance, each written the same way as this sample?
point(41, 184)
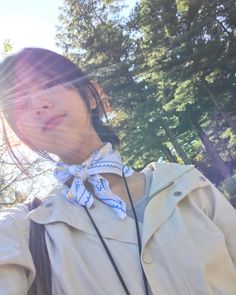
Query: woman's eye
point(21, 103)
point(49, 84)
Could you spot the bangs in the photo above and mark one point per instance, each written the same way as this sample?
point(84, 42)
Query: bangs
point(39, 69)
point(48, 67)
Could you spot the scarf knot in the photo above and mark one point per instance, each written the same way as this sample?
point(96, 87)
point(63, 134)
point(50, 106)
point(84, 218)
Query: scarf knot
point(78, 171)
point(104, 160)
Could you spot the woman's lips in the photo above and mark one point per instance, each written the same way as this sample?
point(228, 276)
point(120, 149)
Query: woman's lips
point(53, 122)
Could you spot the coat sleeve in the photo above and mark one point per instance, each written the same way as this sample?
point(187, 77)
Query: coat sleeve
point(221, 212)
point(16, 265)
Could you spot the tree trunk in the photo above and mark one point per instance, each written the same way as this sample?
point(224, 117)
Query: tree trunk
point(163, 148)
point(211, 151)
point(169, 156)
point(176, 144)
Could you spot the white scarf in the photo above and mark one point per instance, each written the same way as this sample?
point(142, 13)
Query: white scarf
point(104, 160)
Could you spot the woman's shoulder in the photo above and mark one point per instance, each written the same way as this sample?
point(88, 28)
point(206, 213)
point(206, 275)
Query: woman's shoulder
point(15, 213)
point(173, 175)
point(14, 225)
point(19, 212)
point(14, 216)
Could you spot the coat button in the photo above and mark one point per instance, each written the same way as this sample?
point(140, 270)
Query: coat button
point(202, 178)
point(147, 258)
point(177, 194)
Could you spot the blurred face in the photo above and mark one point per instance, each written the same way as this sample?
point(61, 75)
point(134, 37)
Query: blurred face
point(55, 120)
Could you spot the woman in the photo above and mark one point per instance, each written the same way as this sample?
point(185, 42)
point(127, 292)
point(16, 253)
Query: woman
point(178, 238)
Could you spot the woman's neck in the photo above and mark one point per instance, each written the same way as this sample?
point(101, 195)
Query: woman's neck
point(136, 184)
point(78, 155)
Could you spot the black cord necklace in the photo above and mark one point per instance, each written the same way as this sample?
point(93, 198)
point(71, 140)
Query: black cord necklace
point(137, 232)
point(138, 238)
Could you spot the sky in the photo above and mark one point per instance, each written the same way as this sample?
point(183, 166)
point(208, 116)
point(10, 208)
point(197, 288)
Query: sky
point(31, 22)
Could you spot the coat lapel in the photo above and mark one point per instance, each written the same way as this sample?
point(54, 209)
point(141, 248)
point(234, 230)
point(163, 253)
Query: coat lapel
point(167, 190)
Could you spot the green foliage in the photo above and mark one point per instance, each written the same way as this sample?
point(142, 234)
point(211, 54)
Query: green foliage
point(169, 70)
point(228, 188)
point(6, 48)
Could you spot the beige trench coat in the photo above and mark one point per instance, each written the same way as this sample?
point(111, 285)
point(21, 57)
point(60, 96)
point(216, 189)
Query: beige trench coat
point(188, 242)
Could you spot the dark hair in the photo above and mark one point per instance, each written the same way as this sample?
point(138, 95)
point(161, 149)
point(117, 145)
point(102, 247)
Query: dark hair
point(53, 69)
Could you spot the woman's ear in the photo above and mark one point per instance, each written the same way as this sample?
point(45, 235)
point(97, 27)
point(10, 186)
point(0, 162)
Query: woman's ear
point(92, 102)
point(103, 99)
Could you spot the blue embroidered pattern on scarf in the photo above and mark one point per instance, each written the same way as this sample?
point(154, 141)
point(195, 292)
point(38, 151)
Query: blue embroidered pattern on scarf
point(104, 160)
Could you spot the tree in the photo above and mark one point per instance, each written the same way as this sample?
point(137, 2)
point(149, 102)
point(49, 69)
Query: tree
point(167, 69)
point(186, 44)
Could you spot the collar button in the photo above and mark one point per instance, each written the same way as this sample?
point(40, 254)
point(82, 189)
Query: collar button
point(147, 257)
point(177, 194)
point(48, 205)
point(202, 178)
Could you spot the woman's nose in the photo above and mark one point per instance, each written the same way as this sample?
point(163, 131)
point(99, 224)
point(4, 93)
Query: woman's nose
point(40, 104)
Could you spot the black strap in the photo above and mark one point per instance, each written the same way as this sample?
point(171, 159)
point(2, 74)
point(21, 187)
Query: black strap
point(137, 231)
point(108, 252)
point(42, 284)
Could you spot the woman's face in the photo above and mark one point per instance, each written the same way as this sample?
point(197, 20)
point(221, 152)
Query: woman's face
point(55, 119)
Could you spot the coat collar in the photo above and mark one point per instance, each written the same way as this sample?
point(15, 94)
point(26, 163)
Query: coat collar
point(165, 174)
point(55, 208)
point(167, 190)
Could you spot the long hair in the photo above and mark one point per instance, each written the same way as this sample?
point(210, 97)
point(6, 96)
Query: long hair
point(50, 69)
